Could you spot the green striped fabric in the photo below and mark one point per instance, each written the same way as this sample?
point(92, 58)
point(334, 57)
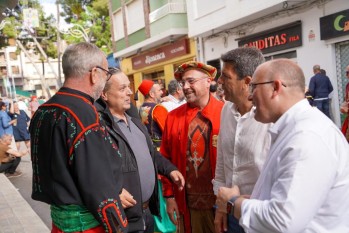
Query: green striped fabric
point(71, 218)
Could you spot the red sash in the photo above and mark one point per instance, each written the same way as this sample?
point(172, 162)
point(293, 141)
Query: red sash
point(97, 229)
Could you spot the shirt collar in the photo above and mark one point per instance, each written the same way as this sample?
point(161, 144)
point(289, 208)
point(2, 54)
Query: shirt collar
point(76, 92)
point(287, 118)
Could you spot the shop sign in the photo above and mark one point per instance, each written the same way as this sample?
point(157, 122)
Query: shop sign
point(334, 25)
point(167, 52)
point(280, 38)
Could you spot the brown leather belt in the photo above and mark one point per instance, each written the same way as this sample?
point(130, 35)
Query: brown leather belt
point(145, 205)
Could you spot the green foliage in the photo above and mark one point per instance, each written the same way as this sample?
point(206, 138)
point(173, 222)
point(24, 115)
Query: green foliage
point(9, 29)
point(96, 26)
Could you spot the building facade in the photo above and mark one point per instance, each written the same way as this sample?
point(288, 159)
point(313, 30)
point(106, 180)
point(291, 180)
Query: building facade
point(21, 75)
point(308, 32)
point(150, 39)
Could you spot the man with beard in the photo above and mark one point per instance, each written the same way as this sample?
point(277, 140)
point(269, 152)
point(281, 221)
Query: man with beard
point(189, 141)
point(152, 113)
point(76, 169)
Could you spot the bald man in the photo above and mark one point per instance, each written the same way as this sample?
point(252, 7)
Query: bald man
point(304, 184)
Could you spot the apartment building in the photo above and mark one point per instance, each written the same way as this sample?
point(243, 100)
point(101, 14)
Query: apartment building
point(150, 38)
point(24, 76)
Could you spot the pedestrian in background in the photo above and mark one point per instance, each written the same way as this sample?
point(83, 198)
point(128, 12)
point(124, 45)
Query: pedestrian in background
point(77, 168)
point(20, 128)
point(10, 157)
point(175, 97)
point(6, 122)
point(189, 141)
point(304, 184)
point(33, 105)
point(320, 87)
point(152, 113)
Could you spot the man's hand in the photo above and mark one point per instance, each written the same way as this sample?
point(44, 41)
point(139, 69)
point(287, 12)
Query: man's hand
point(172, 209)
point(220, 222)
point(225, 194)
point(127, 200)
point(178, 179)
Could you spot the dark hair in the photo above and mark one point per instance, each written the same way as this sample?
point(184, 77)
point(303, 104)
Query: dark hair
point(244, 60)
point(2, 104)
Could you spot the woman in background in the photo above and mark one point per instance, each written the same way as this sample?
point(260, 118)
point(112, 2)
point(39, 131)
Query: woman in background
point(20, 128)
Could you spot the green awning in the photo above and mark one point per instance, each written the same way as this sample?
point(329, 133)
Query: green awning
point(23, 93)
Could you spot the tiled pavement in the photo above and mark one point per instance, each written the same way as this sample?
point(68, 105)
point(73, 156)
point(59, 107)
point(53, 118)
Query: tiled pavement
point(16, 215)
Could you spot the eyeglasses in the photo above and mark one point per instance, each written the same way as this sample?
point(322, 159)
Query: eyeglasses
point(253, 86)
point(191, 81)
point(107, 72)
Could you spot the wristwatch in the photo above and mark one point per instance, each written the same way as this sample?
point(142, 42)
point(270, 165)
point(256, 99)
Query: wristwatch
point(231, 204)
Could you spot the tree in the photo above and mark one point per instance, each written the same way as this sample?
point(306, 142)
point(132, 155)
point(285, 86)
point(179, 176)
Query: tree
point(46, 33)
point(94, 18)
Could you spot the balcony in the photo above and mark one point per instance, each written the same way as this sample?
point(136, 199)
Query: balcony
point(172, 7)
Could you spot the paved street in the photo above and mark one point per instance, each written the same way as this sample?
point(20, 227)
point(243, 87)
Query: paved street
point(24, 186)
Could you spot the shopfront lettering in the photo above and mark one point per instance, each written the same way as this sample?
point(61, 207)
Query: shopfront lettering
point(156, 57)
point(167, 52)
point(285, 37)
point(334, 25)
point(268, 42)
point(181, 48)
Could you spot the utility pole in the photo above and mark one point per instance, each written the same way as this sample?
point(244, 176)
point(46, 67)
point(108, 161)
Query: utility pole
point(59, 81)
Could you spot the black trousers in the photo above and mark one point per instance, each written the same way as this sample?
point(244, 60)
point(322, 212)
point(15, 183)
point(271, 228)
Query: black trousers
point(10, 167)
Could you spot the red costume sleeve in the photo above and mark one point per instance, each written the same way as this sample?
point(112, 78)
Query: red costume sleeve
point(160, 115)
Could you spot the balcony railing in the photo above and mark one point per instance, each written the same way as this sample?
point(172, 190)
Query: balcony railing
point(172, 7)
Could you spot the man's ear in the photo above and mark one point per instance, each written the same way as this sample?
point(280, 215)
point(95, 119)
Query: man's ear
point(93, 76)
point(104, 96)
point(248, 80)
point(277, 87)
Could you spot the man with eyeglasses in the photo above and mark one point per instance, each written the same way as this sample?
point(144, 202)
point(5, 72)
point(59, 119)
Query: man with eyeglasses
point(243, 142)
point(345, 108)
point(189, 141)
point(304, 184)
point(75, 167)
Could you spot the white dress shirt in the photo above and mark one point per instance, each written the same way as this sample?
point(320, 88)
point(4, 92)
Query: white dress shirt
point(243, 144)
point(304, 185)
point(173, 103)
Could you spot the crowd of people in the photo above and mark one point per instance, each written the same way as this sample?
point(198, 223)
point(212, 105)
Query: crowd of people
point(14, 122)
point(242, 151)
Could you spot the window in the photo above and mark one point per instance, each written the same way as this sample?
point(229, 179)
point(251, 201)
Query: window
point(118, 24)
point(135, 16)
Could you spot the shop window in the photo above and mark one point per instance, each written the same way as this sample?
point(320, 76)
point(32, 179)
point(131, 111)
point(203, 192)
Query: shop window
point(13, 56)
point(289, 55)
point(15, 69)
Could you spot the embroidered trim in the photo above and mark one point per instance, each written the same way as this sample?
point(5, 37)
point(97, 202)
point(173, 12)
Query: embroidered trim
point(104, 206)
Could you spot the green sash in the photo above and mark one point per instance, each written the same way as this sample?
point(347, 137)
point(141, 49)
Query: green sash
point(71, 218)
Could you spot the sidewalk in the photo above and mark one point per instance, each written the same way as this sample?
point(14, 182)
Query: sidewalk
point(16, 215)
